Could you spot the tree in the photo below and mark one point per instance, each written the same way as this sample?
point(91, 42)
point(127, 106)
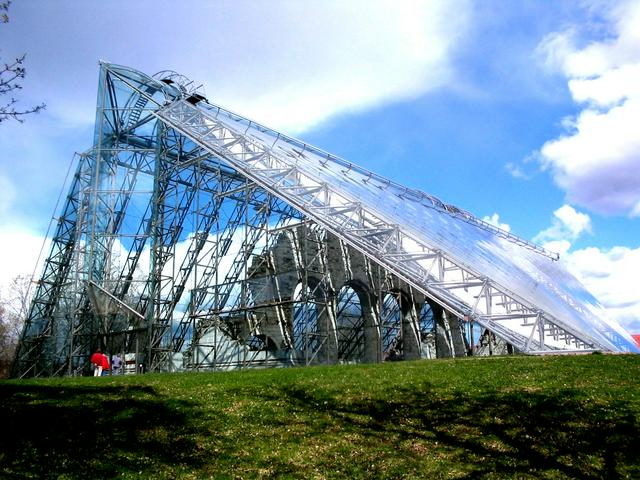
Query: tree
point(13, 312)
point(7, 342)
point(11, 76)
point(5, 353)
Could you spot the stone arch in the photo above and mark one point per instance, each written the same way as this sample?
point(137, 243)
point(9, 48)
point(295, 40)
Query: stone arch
point(349, 325)
point(445, 335)
point(305, 334)
point(427, 326)
point(357, 323)
point(399, 329)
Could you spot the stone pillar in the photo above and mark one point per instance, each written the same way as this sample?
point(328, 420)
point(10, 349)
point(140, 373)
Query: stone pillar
point(410, 331)
point(457, 335)
point(444, 348)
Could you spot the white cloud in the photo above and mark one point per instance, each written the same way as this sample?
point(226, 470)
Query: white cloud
point(561, 247)
point(19, 254)
point(574, 221)
point(290, 65)
point(343, 60)
point(495, 221)
point(516, 171)
point(612, 276)
point(609, 274)
point(597, 159)
point(568, 224)
point(608, 89)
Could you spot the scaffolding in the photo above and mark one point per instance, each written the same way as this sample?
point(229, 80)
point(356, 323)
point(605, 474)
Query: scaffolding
point(193, 238)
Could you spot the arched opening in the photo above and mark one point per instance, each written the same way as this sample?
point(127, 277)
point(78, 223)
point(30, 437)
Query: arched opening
point(427, 324)
point(349, 325)
point(305, 335)
point(391, 327)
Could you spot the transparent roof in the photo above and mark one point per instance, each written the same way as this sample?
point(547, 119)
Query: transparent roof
point(514, 264)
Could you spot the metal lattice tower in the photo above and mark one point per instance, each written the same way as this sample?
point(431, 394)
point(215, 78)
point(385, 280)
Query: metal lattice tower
point(194, 238)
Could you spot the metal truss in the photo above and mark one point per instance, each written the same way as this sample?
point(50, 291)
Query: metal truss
point(457, 287)
point(193, 238)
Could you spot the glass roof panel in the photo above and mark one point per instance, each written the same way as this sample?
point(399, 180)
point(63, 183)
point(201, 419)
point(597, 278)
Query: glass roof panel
point(514, 264)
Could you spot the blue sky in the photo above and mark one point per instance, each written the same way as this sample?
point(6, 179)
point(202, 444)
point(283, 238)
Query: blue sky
point(523, 113)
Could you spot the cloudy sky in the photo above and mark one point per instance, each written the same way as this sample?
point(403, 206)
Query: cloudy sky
point(523, 113)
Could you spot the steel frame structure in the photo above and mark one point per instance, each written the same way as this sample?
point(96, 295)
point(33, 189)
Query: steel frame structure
point(167, 237)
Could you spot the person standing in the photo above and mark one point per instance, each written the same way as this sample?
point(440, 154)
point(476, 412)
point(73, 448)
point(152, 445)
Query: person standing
point(105, 365)
point(116, 364)
point(96, 360)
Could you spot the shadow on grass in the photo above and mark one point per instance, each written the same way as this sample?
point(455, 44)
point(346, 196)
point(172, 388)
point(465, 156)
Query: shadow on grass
point(514, 434)
point(295, 431)
point(92, 432)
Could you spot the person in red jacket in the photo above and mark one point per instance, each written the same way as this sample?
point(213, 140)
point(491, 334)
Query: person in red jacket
point(96, 360)
point(105, 365)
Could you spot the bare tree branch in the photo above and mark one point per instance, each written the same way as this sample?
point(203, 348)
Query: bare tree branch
point(4, 8)
point(11, 74)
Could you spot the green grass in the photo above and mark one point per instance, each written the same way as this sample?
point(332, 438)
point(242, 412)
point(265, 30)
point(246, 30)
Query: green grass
point(510, 417)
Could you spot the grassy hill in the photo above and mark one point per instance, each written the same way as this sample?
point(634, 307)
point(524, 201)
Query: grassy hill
point(510, 417)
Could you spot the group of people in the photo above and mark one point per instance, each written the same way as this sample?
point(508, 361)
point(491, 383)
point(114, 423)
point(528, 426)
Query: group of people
point(101, 366)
